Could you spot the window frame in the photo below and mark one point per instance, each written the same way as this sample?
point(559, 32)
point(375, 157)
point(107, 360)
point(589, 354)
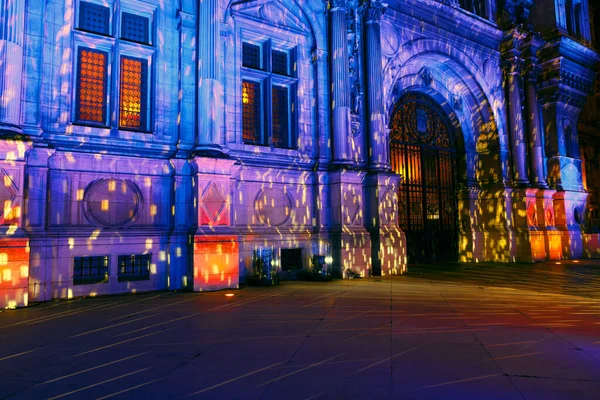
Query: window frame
point(268, 79)
point(134, 277)
point(116, 47)
point(90, 281)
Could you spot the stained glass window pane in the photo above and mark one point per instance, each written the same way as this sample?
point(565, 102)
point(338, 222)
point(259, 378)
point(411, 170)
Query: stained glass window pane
point(94, 18)
point(133, 93)
point(91, 86)
point(251, 56)
point(135, 28)
point(280, 63)
point(251, 111)
point(281, 130)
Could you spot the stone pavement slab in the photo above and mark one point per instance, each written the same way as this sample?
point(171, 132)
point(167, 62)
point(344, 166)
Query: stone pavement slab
point(439, 332)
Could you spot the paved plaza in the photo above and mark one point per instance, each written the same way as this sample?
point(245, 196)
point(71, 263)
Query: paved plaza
point(467, 331)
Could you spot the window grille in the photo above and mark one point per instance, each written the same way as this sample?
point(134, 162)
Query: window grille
point(279, 63)
point(280, 116)
point(251, 56)
point(251, 111)
point(91, 86)
point(133, 93)
point(135, 28)
point(134, 267)
point(94, 18)
point(90, 270)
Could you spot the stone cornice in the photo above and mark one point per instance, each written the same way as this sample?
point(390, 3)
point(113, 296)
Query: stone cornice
point(440, 16)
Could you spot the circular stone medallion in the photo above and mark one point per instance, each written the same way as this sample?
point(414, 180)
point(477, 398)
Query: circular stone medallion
point(112, 203)
point(273, 207)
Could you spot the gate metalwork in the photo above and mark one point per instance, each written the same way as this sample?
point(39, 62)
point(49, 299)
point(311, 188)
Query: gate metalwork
point(422, 151)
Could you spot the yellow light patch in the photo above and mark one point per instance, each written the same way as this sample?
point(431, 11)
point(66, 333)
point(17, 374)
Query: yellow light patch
point(104, 205)
point(7, 275)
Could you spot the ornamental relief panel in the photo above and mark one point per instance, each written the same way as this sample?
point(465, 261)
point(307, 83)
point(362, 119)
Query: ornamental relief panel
point(273, 207)
point(214, 204)
point(112, 203)
point(10, 200)
point(532, 219)
point(352, 208)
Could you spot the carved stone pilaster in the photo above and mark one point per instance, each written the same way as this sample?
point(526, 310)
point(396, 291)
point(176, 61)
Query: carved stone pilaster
point(210, 139)
point(12, 21)
point(567, 73)
point(532, 112)
point(340, 80)
point(512, 66)
point(378, 133)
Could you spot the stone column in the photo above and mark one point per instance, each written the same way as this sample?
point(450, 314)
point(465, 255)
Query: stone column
point(512, 70)
point(378, 132)
point(340, 81)
point(184, 225)
point(209, 85)
point(534, 128)
point(12, 21)
point(187, 81)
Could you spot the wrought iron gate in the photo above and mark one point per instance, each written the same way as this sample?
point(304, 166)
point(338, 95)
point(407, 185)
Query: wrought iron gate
point(422, 151)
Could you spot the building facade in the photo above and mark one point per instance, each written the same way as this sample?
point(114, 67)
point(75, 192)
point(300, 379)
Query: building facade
point(151, 145)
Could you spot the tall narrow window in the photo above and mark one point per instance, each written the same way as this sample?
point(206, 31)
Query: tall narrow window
point(268, 95)
point(251, 113)
point(91, 86)
point(133, 93)
point(114, 60)
point(281, 129)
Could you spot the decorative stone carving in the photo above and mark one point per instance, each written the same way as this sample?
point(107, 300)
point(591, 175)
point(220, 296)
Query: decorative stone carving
point(516, 11)
point(457, 102)
point(531, 213)
point(272, 13)
point(570, 175)
point(549, 213)
point(273, 207)
point(8, 193)
point(578, 215)
point(213, 202)
point(351, 207)
point(426, 76)
point(390, 40)
point(112, 203)
point(373, 10)
point(387, 212)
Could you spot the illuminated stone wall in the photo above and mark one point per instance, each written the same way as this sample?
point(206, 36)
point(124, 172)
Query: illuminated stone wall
point(135, 157)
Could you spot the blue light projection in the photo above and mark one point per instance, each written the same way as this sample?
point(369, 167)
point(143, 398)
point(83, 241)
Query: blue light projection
point(167, 144)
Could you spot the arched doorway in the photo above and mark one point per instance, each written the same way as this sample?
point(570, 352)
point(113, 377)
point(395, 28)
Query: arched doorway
point(423, 151)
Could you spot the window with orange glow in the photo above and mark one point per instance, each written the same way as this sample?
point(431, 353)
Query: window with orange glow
point(91, 86)
point(132, 104)
point(269, 86)
point(251, 111)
